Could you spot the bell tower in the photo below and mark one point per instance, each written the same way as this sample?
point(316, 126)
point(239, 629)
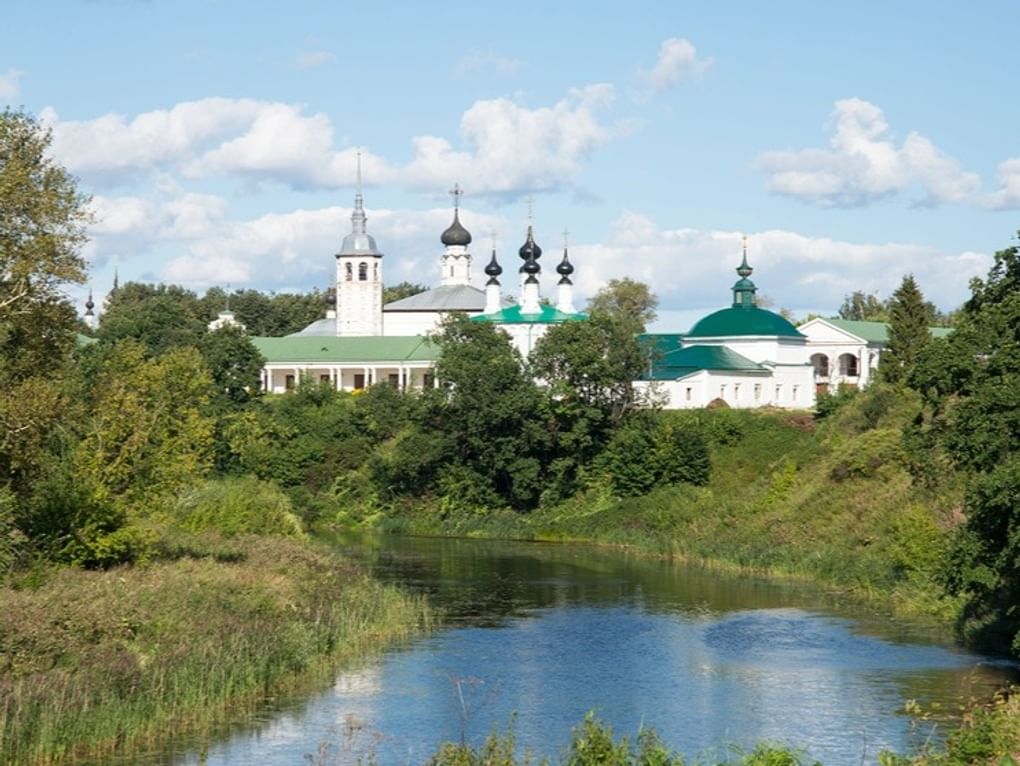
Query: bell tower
point(359, 276)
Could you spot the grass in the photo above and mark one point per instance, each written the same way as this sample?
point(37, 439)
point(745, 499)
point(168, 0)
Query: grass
point(98, 662)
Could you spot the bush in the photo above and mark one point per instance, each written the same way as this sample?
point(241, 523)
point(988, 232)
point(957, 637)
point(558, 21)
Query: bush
point(234, 506)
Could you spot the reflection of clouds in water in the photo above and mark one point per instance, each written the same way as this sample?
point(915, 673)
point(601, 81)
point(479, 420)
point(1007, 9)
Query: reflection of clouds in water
point(359, 683)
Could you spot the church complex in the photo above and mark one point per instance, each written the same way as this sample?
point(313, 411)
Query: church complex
point(742, 355)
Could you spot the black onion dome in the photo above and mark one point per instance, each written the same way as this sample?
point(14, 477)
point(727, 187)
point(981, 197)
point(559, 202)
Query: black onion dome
point(456, 234)
point(530, 248)
point(565, 268)
point(90, 304)
point(493, 269)
point(531, 267)
point(329, 297)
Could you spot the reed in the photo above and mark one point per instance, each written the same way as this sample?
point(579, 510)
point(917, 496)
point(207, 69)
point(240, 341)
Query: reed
point(97, 662)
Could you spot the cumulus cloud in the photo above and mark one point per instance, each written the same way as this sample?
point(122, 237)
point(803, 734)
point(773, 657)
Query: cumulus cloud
point(509, 148)
point(313, 59)
point(504, 147)
point(694, 268)
point(678, 60)
point(10, 83)
point(863, 164)
point(1008, 195)
point(477, 61)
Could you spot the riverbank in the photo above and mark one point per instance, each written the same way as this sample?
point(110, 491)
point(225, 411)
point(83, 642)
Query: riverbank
point(831, 501)
point(98, 662)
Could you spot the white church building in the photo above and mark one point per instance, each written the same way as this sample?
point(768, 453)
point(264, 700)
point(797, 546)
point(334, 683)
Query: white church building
point(361, 341)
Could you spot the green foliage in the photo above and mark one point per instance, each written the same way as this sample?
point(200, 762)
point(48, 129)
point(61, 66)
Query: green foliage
point(627, 300)
point(42, 229)
point(909, 320)
point(12, 539)
point(650, 450)
point(234, 364)
point(236, 506)
point(274, 314)
point(866, 453)
point(827, 404)
point(147, 434)
point(160, 317)
point(860, 306)
point(401, 290)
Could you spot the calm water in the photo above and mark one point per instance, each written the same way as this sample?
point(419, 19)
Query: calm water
point(545, 633)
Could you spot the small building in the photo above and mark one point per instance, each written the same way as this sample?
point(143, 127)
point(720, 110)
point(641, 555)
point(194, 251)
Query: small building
point(743, 356)
point(846, 352)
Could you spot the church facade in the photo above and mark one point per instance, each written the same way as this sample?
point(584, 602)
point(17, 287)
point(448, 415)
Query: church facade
point(361, 341)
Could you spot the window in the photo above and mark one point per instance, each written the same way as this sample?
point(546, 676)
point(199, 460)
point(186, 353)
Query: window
point(779, 393)
point(324, 378)
point(375, 271)
point(757, 392)
point(690, 393)
point(795, 388)
point(821, 364)
point(722, 391)
point(348, 272)
point(359, 381)
point(394, 380)
point(362, 272)
point(288, 383)
point(848, 366)
point(736, 392)
point(429, 380)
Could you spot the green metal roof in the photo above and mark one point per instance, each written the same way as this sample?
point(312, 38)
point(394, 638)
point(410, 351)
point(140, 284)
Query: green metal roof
point(303, 349)
point(878, 332)
point(514, 315)
point(743, 320)
point(661, 343)
point(684, 361)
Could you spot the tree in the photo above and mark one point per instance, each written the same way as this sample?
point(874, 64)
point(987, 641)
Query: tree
point(909, 320)
point(490, 409)
point(863, 307)
point(42, 228)
point(401, 290)
point(235, 365)
point(626, 299)
point(158, 316)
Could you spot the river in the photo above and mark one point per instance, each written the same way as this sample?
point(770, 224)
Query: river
point(543, 633)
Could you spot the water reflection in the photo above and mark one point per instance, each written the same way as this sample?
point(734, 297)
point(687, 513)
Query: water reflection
point(546, 633)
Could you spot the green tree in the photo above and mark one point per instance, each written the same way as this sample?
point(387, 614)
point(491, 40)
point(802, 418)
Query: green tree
point(42, 228)
point(235, 365)
point(864, 307)
point(401, 290)
point(627, 300)
point(909, 322)
point(148, 434)
point(158, 316)
point(490, 409)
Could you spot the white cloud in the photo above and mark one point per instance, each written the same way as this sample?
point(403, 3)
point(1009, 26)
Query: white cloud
point(864, 165)
point(505, 148)
point(484, 60)
point(10, 85)
point(313, 59)
point(510, 148)
point(1008, 195)
point(694, 268)
point(678, 60)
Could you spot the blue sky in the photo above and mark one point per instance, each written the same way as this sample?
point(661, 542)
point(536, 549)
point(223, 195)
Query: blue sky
point(852, 143)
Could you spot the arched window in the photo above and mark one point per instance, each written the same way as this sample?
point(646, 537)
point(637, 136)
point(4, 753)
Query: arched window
point(821, 364)
point(848, 366)
point(349, 272)
point(362, 272)
point(375, 271)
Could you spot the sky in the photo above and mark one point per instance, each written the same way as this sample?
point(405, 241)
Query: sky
point(852, 143)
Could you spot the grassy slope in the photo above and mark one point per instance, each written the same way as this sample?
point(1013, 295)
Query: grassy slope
point(833, 503)
point(92, 662)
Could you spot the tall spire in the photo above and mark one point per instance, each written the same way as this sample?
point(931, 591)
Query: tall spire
point(743, 269)
point(359, 242)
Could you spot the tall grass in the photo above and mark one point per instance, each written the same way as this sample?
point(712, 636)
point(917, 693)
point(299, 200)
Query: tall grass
point(96, 662)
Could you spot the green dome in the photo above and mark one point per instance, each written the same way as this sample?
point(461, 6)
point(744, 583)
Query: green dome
point(743, 320)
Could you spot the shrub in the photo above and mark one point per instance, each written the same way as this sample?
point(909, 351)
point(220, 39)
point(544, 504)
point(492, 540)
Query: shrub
point(234, 506)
